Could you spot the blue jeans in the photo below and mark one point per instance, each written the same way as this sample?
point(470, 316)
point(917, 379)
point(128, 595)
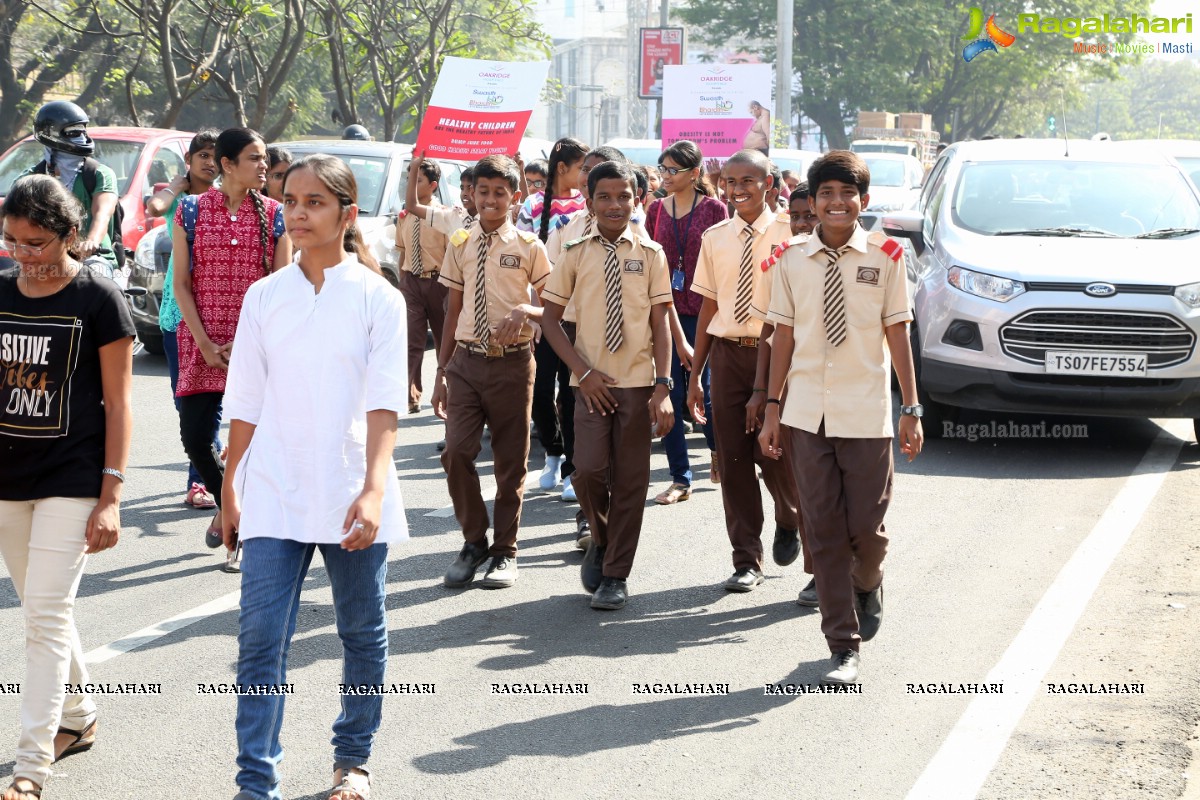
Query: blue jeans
point(273, 573)
point(171, 351)
point(675, 442)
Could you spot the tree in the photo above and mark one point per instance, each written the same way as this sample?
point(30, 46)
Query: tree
point(906, 55)
point(393, 50)
point(37, 55)
point(1157, 99)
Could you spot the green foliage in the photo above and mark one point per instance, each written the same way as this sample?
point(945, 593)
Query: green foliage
point(906, 55)
point(1158, 98)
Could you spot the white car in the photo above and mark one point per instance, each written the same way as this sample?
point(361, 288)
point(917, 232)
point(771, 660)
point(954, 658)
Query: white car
point(1055, 277)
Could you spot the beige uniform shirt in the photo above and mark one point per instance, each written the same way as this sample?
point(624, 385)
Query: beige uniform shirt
point(719, 264)
point(848, 386)
point(447, 219)
point(433, 245)
point(645, 282)
point(580, 224)
point(516, 261)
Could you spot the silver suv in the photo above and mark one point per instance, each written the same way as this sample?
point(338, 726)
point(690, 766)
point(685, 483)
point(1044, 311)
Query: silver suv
point(1055, 278)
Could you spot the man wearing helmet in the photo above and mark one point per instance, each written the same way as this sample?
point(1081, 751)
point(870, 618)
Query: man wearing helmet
point(358, 132)
point(61, 127)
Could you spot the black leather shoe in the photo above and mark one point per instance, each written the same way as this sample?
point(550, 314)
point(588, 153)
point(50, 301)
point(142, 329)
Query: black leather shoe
point(844, 669)
point(591, 572)
point(501, 573)
point(787, 546)
point(744, 580)
point(808, 596)
point(462, 571)
point(870, 613)
point(583, 532)
point(611, 595)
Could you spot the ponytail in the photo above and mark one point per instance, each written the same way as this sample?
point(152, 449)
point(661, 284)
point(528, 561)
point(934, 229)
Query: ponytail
point(261, 208)
point(567, 151)
point(352, 242)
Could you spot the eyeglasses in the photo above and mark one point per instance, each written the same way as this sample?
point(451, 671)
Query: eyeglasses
point(537, 184)
point(25, 249)
point(675, 170)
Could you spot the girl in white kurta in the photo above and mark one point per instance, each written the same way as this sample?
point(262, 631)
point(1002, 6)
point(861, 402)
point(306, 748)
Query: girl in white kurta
point(315, 382)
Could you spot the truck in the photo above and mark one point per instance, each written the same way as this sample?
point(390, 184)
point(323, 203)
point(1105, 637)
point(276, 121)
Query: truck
point(908, 133)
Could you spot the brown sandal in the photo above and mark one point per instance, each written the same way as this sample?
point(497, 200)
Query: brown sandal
point(78, 741)
point(675, 493)
point(35, 792)
point(355, 780)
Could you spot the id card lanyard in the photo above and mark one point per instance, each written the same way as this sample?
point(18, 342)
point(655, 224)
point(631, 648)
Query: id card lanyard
point(677, 275)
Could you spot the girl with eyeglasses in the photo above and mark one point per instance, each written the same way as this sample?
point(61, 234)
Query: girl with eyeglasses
point(677, 222)
point(66, 371)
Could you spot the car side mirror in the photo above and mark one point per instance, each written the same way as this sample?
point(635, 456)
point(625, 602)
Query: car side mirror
point(906, 225)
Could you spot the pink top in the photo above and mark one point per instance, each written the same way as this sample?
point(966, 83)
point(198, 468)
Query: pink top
point(664, 230)
point(226, 260)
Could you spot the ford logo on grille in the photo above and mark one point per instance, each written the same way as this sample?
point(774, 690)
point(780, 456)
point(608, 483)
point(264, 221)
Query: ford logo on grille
point(1100, 289)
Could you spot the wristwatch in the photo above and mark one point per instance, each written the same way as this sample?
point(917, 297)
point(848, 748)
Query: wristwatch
point(917, 411)
point(667, 382)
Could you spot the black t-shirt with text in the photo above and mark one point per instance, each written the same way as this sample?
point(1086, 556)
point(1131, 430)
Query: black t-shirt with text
point(51, 396)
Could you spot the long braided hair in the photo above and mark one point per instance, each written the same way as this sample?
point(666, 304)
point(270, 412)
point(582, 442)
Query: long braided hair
point(567, 151)
point(339, 180)
point(230, 145)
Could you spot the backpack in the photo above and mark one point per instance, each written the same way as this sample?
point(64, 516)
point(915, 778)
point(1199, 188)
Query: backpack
point(115, 225)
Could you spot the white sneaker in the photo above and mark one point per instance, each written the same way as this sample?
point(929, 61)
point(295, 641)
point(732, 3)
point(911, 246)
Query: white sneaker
point(549, 477)
point(568, 494)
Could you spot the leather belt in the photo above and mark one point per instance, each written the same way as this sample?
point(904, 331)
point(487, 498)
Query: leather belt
point(427, 274)
point(493, 350)
point(742, 341)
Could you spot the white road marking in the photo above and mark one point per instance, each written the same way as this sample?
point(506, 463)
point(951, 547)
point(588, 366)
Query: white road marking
point(969, 753)
point(146, 635)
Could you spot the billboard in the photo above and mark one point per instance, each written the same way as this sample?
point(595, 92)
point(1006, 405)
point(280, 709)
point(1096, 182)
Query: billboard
point(661, 48)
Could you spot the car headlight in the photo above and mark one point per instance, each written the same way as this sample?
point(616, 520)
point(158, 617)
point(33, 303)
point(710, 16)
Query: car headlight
point(1188, 294)
point(143, 255)
point(983, 285)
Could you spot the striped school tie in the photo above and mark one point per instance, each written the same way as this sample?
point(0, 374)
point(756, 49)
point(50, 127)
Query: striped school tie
point(613, 321)
point(481, 319)
point(835, 297)
point(468, 220)
point(415, 250)
point(745, 282)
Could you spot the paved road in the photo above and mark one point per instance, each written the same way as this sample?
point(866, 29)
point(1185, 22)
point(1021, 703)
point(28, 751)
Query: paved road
point(1033, 563)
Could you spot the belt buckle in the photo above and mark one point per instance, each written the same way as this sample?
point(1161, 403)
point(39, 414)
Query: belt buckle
point(494, 351)
point(748, 341)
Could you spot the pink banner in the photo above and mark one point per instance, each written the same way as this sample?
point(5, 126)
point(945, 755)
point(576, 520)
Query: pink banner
point(470, 135)
point(717, 138)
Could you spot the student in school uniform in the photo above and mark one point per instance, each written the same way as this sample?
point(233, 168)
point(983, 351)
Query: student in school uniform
point(726, 273)
point(800, 220)
point(443, 219)
point(620, 363)
point(421, 249)
point(838, 298)
point(485, 370)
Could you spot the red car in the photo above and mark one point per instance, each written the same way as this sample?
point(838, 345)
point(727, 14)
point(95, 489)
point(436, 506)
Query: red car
point(140, 157)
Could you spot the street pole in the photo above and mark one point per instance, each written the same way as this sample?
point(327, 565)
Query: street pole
point(783, 65)
point(664, 10)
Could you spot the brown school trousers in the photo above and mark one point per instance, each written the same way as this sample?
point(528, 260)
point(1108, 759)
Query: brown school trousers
point(426, 302)
point(612, 473)
point(498, 392)
point(738, 454)
point(845, 487)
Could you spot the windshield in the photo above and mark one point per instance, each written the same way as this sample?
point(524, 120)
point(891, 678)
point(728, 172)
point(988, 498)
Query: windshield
point(904, 148)
point(1191, 165)
point(370, 172)
point(121, 157)
point(886, 172)
point(1118, 199)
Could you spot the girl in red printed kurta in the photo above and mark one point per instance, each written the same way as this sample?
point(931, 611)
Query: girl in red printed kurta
point(224, 240)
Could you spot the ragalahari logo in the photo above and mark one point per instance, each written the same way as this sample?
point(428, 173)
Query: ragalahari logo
point(984, 37)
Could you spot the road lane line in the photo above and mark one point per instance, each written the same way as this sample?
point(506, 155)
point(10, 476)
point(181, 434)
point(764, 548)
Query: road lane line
point(971, 749)
point(146, 635)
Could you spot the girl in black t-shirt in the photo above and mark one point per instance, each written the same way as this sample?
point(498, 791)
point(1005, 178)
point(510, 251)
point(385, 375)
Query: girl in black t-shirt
point(66, 368)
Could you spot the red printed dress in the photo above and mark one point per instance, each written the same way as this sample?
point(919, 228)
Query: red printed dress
point(227, 258)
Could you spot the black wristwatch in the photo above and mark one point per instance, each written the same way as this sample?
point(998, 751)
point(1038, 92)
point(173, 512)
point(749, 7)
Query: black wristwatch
point(917, 411)
point(667, 382)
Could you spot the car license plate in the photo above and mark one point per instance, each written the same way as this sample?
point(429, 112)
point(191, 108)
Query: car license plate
point(1084, 362)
